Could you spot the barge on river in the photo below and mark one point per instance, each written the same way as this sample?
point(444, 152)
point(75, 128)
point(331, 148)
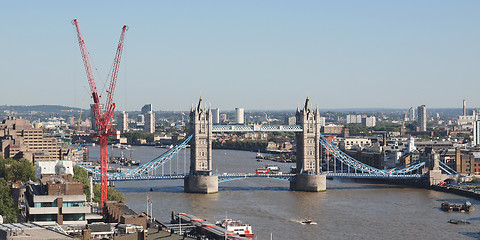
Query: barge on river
point(452, 207)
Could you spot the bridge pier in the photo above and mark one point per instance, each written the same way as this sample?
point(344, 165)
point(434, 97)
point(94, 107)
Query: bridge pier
point(201, 184)
point(309, 183)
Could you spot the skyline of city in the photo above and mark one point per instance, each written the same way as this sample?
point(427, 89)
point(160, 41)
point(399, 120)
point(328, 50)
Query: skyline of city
point(252, 55)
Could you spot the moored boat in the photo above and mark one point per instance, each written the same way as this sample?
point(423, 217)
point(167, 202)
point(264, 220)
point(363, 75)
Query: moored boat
point(466, 207)
point(237, 227)
point(458, 221)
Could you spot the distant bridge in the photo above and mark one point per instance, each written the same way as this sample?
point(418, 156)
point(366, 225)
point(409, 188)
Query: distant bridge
point(226, 177)
point(311, 145)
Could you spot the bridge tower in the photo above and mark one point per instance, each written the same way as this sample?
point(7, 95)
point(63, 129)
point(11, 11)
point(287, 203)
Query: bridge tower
point(200, 179)
point(434, 173)
point(308, 176)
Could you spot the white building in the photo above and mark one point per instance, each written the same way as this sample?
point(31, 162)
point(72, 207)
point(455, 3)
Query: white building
point(466, 122)
point(411, 114)
point(354, 118)
point(149, 122)
point(322, 121)
point(239, 116)
point(361, 143)
point(422, 118)
point(122, 122)
point(216, 116)
point(290, 121)
point(476, 133)
point(369, 121)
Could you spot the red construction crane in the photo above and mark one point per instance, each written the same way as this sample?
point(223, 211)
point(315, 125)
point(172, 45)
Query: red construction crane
point(103, 115)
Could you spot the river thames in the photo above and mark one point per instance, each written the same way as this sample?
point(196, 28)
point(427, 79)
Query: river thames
point(347, 210)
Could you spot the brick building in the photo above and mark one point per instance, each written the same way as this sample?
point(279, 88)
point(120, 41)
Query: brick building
point(18, 139)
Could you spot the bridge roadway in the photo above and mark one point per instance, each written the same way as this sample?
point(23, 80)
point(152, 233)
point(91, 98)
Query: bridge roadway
point(256, 128)
point(281, 176)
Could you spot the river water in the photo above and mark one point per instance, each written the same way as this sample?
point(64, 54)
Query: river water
point(347, 210)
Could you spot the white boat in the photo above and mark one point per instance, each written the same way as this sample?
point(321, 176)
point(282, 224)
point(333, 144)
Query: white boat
point(237, 227)
point(272, 167)
point(308, 221)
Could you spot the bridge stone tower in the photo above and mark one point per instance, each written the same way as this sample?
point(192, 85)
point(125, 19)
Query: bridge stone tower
point(200, 179)
point(308, 176)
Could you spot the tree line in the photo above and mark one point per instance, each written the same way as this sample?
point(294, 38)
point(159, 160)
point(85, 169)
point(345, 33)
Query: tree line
point(12, 170)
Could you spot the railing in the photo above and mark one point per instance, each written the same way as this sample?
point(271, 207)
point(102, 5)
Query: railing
point(256, 128)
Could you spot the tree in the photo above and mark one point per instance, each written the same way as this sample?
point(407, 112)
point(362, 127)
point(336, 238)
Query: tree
point(16, 170)
point(7, 210)
point(113, 195)
point(81, 175)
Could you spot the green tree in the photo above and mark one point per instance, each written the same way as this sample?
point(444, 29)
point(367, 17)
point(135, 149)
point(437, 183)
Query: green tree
point(16, 170)
point(81, 175)
point(134, 137)
point(7, 210)
point(113, 195)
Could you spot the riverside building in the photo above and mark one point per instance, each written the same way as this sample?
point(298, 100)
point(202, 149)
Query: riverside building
point(18, 139)
point(57, 198)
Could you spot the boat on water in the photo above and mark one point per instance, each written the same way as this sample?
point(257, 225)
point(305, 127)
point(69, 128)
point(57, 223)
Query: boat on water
point(453, 207)
point(262, 171)
point(272, 167)
point(259, 156)
point(458, 221)
point(308, 221)
point(237, 227)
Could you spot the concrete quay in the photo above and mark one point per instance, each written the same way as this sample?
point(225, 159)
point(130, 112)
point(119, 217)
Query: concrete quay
point(471, 191)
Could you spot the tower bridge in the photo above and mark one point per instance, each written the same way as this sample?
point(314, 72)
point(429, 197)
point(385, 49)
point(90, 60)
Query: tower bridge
point(308, 176)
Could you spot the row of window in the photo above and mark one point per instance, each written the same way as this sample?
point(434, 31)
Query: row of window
point(65, 204)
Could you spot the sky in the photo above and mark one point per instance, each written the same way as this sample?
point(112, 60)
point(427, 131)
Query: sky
point(257, 55)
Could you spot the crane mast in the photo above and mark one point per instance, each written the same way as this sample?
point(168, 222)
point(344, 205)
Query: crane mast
point(103, 116)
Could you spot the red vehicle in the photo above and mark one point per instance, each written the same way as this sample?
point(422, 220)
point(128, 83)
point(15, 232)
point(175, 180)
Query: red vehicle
point(263, 171)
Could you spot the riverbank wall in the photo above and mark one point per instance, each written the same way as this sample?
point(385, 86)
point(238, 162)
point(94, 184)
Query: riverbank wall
point(458, 190)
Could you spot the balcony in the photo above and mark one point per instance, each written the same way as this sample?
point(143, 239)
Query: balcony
point(69, 210)
point(42, 210)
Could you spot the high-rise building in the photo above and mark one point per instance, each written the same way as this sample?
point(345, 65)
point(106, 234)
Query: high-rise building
point(411, 145)
point(290, 121)
point(239, 116)
point(122, 122)
point(216, 115)
point(476, 132)
point(149, 122)
point(369, 121)
point(464, 107)
point(322, 121)
point(147, 108)
point(354, 118)
point(422, 118)
point(411, 114)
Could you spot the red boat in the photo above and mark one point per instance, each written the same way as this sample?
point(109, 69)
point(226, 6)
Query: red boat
point(263, 171)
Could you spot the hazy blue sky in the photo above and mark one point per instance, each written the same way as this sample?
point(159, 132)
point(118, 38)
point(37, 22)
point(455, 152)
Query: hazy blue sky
point(251, 54)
